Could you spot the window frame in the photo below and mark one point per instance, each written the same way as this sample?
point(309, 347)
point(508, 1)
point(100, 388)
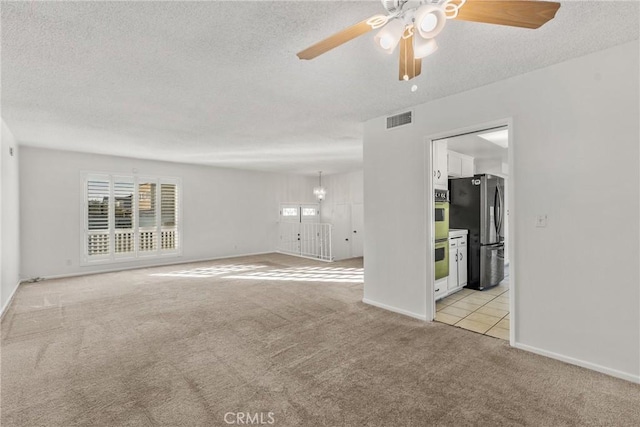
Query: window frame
point(136, 255)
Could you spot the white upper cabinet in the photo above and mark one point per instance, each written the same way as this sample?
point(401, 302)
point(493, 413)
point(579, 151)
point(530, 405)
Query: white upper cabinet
point(440, 169)
point(459, 165)
point(468, 169)
point(454, 165)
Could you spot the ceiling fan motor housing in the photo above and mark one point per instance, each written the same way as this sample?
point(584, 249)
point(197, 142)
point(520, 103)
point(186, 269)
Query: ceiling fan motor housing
point(393, 5)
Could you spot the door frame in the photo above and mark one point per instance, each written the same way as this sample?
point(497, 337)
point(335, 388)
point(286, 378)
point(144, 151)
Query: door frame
point(430, 206)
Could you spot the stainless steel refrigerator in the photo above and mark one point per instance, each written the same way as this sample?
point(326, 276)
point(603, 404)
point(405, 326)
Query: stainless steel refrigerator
point(477, 204)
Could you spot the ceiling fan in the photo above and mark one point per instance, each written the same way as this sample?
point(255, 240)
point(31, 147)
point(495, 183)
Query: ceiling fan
point(414, 25)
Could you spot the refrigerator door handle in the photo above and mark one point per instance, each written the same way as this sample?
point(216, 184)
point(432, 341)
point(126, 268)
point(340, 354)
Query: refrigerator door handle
point(501, 217)
point(495, 213)
point(493, 245)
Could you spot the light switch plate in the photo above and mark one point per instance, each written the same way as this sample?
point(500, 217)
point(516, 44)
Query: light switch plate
point(541, 221)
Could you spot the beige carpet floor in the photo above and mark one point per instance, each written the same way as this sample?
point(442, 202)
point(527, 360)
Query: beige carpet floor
point(185, 345)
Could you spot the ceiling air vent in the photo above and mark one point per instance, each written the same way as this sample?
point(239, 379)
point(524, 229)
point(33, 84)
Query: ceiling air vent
point(399, 120)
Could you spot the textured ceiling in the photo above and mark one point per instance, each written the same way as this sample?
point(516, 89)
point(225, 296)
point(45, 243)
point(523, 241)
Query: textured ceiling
point(219, 83)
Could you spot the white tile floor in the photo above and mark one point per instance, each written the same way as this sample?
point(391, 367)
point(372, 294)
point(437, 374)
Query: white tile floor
point(485, 312)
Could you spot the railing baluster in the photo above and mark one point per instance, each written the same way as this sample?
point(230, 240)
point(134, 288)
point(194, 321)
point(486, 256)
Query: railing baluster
point(315, 239)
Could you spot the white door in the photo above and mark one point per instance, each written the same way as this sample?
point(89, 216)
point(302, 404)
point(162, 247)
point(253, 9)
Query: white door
point(289, 228)
point(289, 213)
point(309, 235)
point(341, 231)
point(357, 230)
point(310, 212)
point(462, 265)
point(453, 268)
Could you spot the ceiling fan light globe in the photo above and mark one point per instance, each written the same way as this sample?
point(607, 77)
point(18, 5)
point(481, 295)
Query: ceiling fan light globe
point(388, 37)
point(429, 23)
point(429, 20)
point(423, 47)
point(385, 42)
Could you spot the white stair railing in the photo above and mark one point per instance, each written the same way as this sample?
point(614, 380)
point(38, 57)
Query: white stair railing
point(305, 239)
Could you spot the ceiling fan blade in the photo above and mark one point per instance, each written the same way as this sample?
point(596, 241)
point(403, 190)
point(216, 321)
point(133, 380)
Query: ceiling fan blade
point(337, 39)
point(514, 13)
point(410, 66)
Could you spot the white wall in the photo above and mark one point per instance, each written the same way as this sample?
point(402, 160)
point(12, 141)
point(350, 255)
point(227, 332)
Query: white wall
point(296, 189)
point(9, 217)
point(343, 208)
point(226, 212)
point(576, 159)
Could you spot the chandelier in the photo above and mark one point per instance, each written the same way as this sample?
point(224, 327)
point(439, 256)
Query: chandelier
point(320, 192)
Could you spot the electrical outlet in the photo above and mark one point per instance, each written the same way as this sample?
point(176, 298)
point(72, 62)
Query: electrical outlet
point(541, 221)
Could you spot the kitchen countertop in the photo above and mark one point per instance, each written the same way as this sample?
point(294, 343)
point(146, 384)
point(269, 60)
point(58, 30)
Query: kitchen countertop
point(455, 232)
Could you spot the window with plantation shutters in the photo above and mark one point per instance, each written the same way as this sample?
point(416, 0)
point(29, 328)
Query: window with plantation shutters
point(129, 217)
point(147, 216)
point(168, 216)
point(123, 221)
point(98, 225)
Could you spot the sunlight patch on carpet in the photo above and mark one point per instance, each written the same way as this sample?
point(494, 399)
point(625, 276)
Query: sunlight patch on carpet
point(217, 270)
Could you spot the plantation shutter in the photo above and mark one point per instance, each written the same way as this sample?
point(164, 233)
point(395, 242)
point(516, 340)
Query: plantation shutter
point(147, 216)
point(123, 217)
point(168, 216)
point(97, 210)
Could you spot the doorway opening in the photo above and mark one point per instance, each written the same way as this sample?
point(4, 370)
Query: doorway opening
point(470, 187)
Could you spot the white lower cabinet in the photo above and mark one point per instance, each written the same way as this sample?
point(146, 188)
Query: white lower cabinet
point(441, 289)
point(453, 264)
point(462, 264)
point(457, 278)
point(457, 263)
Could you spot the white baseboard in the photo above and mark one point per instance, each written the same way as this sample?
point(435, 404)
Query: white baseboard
point(6, 304)
point(304, 256)
point(138, 267)
point(394, 309)
point(581, 363)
